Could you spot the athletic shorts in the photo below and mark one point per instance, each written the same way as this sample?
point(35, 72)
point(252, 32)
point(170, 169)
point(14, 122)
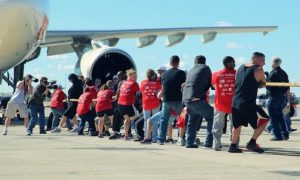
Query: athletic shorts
point(243, 117)
point(126, 110)
point(108, 112)
point(70, 112)
point(12, 108)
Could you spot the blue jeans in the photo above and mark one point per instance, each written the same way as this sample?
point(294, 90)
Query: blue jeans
point(147, 114)
point(196, 109)
point(166, 108)
point(37, 112)
point(89, 117)
point(56, 114)
point(288, 121)
point(275, 107)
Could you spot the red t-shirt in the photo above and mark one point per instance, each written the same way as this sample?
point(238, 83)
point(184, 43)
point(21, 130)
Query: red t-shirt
point(149, 91)
point(173, 112)
point(104, 100)
point(93, 90)
point(84, 103)
point(128, 92)
point(57, 99)
point(224, 81)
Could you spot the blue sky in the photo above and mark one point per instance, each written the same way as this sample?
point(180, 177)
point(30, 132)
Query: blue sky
point(132, 14)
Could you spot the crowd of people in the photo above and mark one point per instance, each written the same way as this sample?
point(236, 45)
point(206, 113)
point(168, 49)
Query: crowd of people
point(165, 99)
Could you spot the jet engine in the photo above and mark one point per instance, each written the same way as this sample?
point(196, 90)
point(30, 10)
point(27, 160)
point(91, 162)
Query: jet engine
point(103, 63)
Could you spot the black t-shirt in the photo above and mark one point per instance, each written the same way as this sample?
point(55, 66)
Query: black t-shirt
point(278, 75)
point(75, 90)
point(171, 81)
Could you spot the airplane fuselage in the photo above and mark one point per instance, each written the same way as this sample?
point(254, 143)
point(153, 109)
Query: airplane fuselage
point(23, 27)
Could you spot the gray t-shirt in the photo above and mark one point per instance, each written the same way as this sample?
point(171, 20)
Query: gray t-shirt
point(19, 95)
point(197, 83)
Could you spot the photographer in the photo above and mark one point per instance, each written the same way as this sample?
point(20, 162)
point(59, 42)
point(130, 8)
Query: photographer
point(17, 102)
point(36, 105)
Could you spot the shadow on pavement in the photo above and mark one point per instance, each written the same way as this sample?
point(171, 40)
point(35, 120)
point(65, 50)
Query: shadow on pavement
point(288, 173)
point(281, 152)
point(118, 148)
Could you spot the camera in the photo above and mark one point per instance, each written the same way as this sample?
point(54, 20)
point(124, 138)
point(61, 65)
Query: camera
point(33, 79)
point(51, 85)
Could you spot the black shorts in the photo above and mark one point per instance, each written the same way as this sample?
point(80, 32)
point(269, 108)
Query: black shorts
point(126, 110)
point(243, 117)
point(108, 112)
point(70, 112)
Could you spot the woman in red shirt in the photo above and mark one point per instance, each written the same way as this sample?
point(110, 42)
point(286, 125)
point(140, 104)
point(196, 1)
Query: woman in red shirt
point(57, 106)
point(149, 88)
point(85, 113)
point(127, 94)
point(104, 107)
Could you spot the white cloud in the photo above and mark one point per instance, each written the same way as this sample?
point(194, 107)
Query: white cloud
point(223, 23)
point(58, 57)
point(240, 60)
point(36, 70)
point(65, 67)
point(233, 45)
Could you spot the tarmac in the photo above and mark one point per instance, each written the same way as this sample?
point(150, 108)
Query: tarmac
point(69, 156)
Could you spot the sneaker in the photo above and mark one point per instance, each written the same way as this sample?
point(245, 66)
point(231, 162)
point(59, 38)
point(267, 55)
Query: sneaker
point(276, 139)
point(100, 135)
point(114, 136)
point(192, 146)
point(267, 130)
point(43, 132)
point(56, 130)
point(254, 147)
point(171, 141)
point(160, 143)
point(4, 132)
point(292, 130)
point(234, 149)
point(197, 141)
point(146, 141)
point(208, 145)
point(29, 133)
point(91, 133)
point(106, 133)
point(80, 133)
point(75, 130)
point(138, 140)
point(181, 142)
point(217, 145)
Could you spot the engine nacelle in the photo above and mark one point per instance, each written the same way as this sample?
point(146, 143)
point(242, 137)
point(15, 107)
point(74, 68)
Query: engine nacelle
point(103, 63)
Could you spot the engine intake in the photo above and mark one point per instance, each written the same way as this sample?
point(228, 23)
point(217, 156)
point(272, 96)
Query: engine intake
point(104, 63)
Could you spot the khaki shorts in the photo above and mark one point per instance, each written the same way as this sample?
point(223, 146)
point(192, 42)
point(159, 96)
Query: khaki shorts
point(12, 108)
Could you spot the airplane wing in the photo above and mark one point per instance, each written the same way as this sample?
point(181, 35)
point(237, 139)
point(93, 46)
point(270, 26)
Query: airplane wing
point(59, 42)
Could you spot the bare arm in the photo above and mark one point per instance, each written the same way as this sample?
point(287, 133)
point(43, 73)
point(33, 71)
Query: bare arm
point(160, 93)
point(260, 77)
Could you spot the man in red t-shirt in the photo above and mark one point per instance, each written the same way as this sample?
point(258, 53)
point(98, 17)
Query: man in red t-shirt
point(85, 113)
point(223, 82)
point(149, 88)
point(126, 100)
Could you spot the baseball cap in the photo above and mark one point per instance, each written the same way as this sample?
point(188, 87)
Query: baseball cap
point(162, 68)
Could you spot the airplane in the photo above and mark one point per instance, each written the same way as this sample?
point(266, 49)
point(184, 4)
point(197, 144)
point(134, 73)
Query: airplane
point(24, 32)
